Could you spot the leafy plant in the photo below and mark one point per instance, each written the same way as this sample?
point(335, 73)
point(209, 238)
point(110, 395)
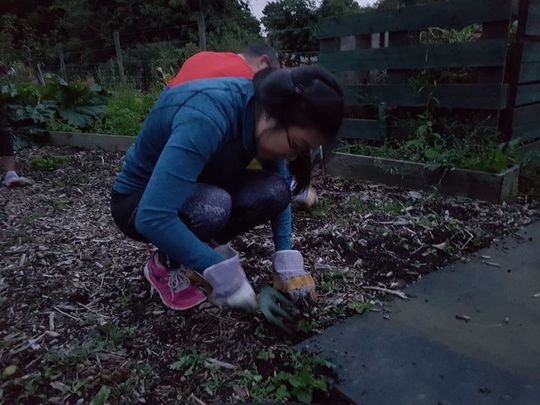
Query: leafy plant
point(102, 396)
point(31, 107)
point(113, 336)
point(77, 104)
point(187, 362)
point(443, 143)
point(361, 307)
point(302, 379)
point(394, 207)
point(49, 163)
point(308, 325)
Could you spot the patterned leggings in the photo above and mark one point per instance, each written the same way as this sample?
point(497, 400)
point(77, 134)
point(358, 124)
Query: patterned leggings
point(216, 213)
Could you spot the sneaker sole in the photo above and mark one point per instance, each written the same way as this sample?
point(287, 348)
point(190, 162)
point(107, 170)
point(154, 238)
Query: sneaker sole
point(147, 275)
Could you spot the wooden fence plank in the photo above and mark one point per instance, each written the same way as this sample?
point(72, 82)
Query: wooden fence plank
point(526, 122)
point(527, 94)
point(527, 115)
point(475, 96)
point(533, 19)
point(530, 63)
point(474, 54)
point(450, 14)
point(531, 52)
point(529, 72)
point(374, 130)
point(526, 132)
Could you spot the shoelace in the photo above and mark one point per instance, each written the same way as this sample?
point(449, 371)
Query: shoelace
point(178, 280)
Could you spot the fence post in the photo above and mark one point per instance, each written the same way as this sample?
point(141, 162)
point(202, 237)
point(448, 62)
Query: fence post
point(119, 57)
point(113, 72)
point(512, 72)
point(63, 71)
point(494, 30)
point(202, 31)
point(39, 74)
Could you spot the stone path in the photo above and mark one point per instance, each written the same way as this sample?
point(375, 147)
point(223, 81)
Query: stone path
point(469, 334)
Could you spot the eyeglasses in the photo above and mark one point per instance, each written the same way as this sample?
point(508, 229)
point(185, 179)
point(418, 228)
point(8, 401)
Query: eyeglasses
point(294, 147)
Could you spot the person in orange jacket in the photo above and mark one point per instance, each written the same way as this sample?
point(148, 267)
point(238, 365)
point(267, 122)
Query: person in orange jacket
point(252, 59)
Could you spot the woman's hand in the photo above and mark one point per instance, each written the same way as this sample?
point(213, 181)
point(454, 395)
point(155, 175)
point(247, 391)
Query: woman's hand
point(290, 276)
point(230, 287)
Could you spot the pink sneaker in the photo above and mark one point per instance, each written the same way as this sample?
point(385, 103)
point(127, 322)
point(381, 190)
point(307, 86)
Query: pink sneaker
point(173, 286)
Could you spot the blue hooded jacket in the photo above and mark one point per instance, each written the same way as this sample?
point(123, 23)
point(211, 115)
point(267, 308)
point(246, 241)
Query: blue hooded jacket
point(202, 131)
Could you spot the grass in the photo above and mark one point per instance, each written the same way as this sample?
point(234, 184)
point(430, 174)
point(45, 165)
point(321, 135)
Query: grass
point(126, 111)
point(49, 163)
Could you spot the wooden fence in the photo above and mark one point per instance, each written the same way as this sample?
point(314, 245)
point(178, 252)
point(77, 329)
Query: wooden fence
point(377, 53)
point(523, 119)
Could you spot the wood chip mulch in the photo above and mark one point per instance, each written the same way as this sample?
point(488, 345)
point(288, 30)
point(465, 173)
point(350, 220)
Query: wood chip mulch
point(78, 323)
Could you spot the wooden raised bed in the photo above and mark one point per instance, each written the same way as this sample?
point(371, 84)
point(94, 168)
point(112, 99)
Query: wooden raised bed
point(493, 187)
point(112, 143)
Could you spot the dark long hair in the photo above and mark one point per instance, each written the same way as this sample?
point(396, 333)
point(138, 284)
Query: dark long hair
point(308, 97)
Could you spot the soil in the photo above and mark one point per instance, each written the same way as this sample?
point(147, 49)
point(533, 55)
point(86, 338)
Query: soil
point(78, 322)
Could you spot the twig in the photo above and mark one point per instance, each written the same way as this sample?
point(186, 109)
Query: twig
point(51, 320)
point(30, 343)
point(68, 315)
point(93, 310)
point(493, 264)
point(396, 223)
point(400, 294)
point(197, 399)
point(468, 240)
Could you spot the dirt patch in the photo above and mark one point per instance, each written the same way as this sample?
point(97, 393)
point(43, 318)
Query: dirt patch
point(78, 323)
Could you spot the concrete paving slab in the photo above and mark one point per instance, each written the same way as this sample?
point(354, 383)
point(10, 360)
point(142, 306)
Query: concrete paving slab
point(424, 354)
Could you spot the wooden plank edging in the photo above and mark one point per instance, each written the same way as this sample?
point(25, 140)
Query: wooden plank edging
point(113, 143)
point(493, 187)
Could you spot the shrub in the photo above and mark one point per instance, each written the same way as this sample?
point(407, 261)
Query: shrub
point(126, 111)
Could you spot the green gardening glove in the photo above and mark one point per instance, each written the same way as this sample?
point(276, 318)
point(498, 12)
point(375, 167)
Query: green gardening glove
point(276, 308)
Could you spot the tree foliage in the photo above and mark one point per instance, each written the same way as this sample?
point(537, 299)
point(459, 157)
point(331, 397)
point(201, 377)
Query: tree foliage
point(153, 33)
point(292, 24)
point(31, 29)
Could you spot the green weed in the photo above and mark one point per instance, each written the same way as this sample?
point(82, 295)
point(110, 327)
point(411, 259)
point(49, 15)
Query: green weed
point(393, 207)
point(49, 163)
point(264, 355)
point(71, 358)
point(102, 396)
point(440, 142)
point(116, 335)
point(187, 363)
point(361, 307)
point(299, 380)
point(308, 326)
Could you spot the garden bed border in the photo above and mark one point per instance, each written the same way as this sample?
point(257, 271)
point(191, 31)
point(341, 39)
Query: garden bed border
point(112, 143)
point(492, 187)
